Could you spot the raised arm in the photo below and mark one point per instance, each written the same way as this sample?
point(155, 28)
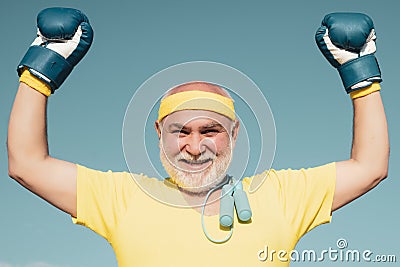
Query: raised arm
point(64, 37)
point(29, 162)
point(368, 164)
point(347, 40)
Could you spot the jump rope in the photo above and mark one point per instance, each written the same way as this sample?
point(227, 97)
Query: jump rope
point(232, 196)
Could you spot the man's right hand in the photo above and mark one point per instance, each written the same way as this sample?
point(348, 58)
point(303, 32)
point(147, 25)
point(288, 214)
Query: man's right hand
point(64, 36)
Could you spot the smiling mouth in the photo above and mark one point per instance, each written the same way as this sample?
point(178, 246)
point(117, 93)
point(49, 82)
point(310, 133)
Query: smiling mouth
point(196, 165)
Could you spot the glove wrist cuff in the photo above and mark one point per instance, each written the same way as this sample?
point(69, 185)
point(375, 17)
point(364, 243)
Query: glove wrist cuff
point(35, 83)
point(46, 65)
point(365, 91)
point(358, 70)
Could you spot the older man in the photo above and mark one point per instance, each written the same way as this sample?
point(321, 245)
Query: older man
point(197, 128)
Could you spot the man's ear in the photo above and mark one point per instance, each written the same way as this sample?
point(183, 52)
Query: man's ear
point(158, 128)
point(235, 131)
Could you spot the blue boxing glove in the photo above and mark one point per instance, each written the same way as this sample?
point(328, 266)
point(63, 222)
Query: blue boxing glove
point(63, 38)
point(347, 40)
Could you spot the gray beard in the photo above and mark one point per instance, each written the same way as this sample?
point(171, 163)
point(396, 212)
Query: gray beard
point(198, 182)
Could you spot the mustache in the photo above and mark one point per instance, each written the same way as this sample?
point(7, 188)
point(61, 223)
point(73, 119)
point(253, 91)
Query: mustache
point(202, 158)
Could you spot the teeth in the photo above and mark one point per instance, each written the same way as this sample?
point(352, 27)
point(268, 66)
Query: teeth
point(196, 162)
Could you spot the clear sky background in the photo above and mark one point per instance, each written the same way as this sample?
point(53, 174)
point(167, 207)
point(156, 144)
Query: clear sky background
point(270, 41)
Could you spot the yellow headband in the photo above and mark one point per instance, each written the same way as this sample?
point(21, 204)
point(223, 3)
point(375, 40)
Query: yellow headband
point(196, 100)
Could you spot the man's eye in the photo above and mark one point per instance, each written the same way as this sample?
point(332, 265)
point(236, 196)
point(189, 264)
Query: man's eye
point(180, 132)
point(210, 132)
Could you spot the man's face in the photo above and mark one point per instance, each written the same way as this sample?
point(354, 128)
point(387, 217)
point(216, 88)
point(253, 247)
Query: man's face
point(196, 148)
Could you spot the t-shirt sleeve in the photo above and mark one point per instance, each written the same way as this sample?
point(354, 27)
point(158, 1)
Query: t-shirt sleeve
point(102, 197)
point(307, 196)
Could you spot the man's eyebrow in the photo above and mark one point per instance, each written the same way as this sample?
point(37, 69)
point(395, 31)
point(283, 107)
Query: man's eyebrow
point(180, 126)
point(212, 125)
point(176, 125)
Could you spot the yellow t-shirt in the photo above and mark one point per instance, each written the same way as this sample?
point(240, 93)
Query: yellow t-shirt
point(145, 232)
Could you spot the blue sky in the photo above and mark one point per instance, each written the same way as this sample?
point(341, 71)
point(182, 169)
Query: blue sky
point(272, 42)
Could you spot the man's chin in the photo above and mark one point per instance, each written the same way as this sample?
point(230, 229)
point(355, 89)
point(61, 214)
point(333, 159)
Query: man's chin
point(200, 182)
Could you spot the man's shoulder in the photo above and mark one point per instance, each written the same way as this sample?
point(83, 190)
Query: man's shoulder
point(273, 177)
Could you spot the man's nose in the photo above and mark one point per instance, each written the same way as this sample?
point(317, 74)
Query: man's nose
point(193, 144)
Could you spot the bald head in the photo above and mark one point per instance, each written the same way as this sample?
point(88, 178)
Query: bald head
point(198, 86)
